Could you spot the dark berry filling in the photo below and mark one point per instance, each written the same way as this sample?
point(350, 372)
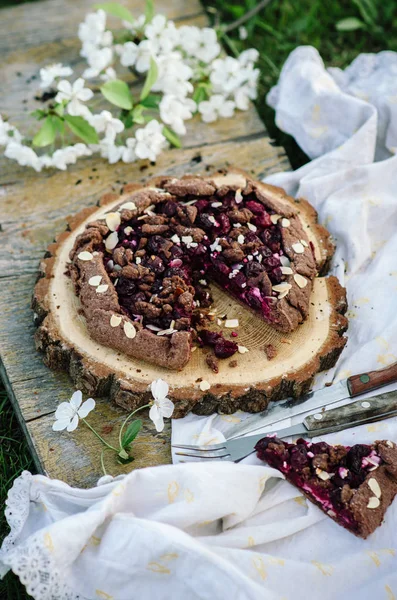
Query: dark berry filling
point(162, 262)
point(328, 474)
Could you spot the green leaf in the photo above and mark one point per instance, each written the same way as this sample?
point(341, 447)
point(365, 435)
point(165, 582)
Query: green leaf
point(349, 24)
point(39, 114)
point(200, 94)
point(131, 433)
point(151, 101)
point(82, 129)
point(137, 115)
point(118, 93)
point(126, 118)
point(46, 135)
point(149, 11)
point(172, 137)
point(116, 10)
point(123, 454)
point(59, 109)
point(150, 80)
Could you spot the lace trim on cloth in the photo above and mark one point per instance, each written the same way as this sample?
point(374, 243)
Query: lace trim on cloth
point(17, 510)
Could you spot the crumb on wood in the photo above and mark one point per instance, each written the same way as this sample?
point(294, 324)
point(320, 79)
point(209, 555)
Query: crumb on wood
point(212, 362)
point(233, 364)
point(270, 351)
point(107, 429)
point(285, 341)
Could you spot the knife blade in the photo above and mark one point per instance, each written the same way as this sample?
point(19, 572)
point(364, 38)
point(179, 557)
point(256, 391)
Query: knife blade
point(346, 388)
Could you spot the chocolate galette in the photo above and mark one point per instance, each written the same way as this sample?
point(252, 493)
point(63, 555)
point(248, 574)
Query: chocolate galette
point(142, 272)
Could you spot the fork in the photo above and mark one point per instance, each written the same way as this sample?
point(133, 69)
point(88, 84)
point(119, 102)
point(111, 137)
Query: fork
point(318, 424)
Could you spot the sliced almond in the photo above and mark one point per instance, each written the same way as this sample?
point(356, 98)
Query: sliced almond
point(216, 204)
point(282, 295)
point(101, 289)
point(113, 220)
point(193, 349)
point(85, 255)
point(373, 502)
point(128, 206)
point(204, 386)
point(300, 280)
point(129, 330)
point(219, 322)
point(331, 513)
point(374, 487)
point(275, 218)
point(95, 280)
point(128, 230)
point(286, 270)
point(138, 260)
point(304, 243)
point(298, 248)
point(242, 349)
point(231, 323)
point(323, 475)
point(241, 239)
point(115, 320)
point(285, 261)
point(252, 227)
point(389, 443)
point(285, 222)
point(111, 241)
point(282, 287)
point(238, 196)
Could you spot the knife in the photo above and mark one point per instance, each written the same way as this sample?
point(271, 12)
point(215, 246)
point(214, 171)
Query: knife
point(356, 413)
point(347, 388)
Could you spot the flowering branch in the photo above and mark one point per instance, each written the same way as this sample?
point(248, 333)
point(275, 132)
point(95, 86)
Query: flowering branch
point(68, 414)
point(183, 75)
point(244, 18)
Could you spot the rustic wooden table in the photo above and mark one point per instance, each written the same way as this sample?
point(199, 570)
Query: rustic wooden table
point(34, 207)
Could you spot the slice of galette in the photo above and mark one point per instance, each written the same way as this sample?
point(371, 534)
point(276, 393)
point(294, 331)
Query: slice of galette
point(354, 485)
point(142, 271)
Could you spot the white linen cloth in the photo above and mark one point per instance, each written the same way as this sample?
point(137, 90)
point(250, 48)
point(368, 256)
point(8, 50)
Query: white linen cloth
point(218, 531)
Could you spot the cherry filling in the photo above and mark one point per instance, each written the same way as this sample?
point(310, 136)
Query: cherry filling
point(164, 258)
point(329, 475)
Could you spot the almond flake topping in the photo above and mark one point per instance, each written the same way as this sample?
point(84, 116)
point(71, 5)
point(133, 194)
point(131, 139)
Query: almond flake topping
point(285, 222)
point(153, 328)
point(298, 248)
point(115, 320)
point(128, 230)
point(129, 330)
point(275, 218)
point(252, 227)
point(203, 281)
point(188, 240)
point(304, 243)
point(286, 270)
point(212, 219)
point(300, 280)
point(282, 287)
point(231, 323)
point(113, 220)
point(176, 239)
point(128, 206)
point(215, 247)
point(241, 239)
point(389, 443)
point(323, 474)
point(204, 386)
point(373, 502)
point(242, 349)
point(149, 210)
point(101, 289)
point(236, 225)
point(95, 280)
point(216, 204)
point(85, 255)
point(238, 196)
point(111, 241)
point(219, 322)
point(285, 261)
point(374, 487)
point(138, 260)
point(168, 331)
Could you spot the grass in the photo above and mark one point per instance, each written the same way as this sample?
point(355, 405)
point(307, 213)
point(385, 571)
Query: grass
point(275, 32)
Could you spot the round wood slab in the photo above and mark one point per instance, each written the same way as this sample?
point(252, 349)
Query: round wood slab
point(313, 346)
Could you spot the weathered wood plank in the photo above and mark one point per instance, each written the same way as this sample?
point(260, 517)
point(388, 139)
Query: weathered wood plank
point(35, 207)
point(27, 25)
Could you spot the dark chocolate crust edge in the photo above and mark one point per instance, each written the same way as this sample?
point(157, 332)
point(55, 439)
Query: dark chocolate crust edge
point(97, 379)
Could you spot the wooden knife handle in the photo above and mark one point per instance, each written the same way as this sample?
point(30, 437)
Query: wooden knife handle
point(369, 409)
point(359, 384)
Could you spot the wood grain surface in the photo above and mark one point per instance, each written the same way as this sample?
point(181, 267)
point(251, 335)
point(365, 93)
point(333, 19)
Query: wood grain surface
point(34, 207)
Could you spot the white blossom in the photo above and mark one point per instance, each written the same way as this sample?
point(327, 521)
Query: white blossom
point(242, 33)
point(150, 141)
point(92, 30)
point(216, 106)
point(50, 73)
point(75, 95)
point(98, 59)
point(199, 43)
point(67, 414)
point(24, 155)
point(162, 406)
point(107, 124)
point(64, 157)
point(248, 56)
point(162, 34)
point(8, 133)
point(174, 75)
point(174, 111)
point(128, 154)
point(226, 75)
point(136, 55)
point(136, 25)
point(109, 74)
point(110, 151)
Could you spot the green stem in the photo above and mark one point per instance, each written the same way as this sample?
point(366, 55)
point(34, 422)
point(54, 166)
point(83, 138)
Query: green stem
point(102, 463)
point(248, 15)
point(99, 437)
point(128, 418)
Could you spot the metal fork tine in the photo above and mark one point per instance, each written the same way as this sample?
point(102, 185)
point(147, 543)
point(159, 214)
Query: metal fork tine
point(213, 457)
point(209, 448)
